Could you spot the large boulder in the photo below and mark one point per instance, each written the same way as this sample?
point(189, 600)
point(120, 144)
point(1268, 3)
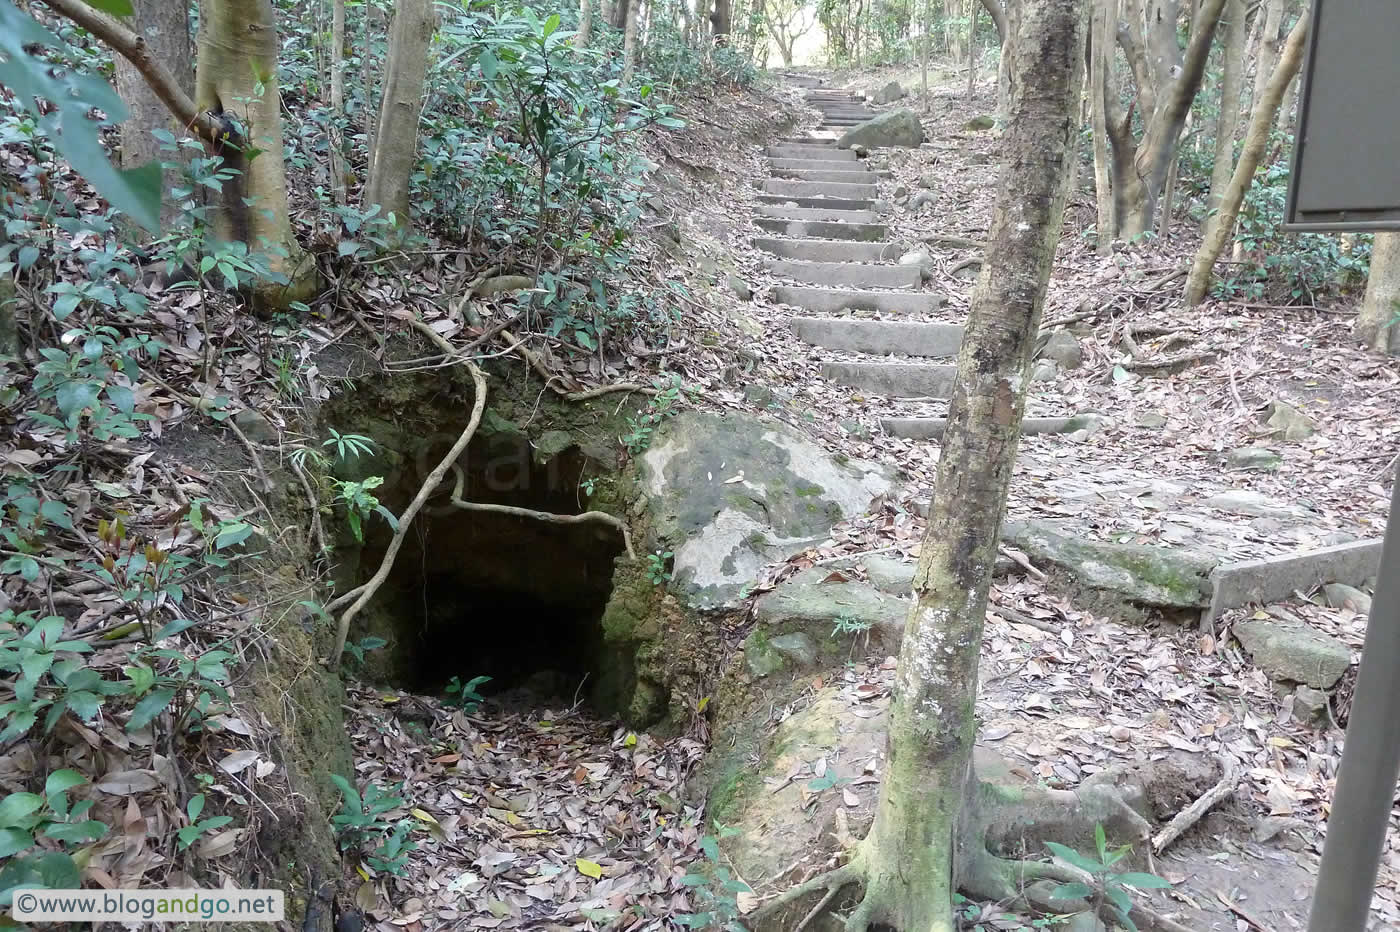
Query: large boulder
point(894, 128)
point(1139, 573)
point(1293, 652)
point(730, 493)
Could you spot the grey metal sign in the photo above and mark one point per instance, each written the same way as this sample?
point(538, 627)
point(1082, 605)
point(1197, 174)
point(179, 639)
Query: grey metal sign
point(1346, 157)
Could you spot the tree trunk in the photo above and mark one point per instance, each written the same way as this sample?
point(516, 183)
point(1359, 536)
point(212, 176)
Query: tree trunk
point(1006, 79)
point(337, 140)
point(923, 818)
point(1255, 141)
point(396, 146)
point(164, 25)
point(607, 10)
point(1271, 17)
point(238, 76)
point(1375, 320)
point(585, 23)
point(926, 15)
point(720, 20)
point(629, 43)
point(619, 13)
point(1228, 118)
point(1100, 48)
point(954, 29)
point(971, 50)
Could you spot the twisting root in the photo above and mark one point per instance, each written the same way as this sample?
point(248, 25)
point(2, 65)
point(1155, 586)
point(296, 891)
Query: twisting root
point(367, 591)
point(831, 881)
point(1145, 917)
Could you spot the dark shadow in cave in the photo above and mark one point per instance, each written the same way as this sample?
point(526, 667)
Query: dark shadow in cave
point(515, 599)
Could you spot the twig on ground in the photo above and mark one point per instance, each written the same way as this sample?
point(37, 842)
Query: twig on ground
point(1240, 911)
point(964, 264)
point(946, 239)
point(1021, 559)
point(1171, 364)
point(1193, 813)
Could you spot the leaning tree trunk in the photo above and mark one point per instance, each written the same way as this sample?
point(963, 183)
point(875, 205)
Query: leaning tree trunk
point(396, 139)
point(1255, 142)
point(1271, 16)
point(925, 824)
point(1100, 46)
point(1376, 320)
point(164, 26)
point(1228, 118)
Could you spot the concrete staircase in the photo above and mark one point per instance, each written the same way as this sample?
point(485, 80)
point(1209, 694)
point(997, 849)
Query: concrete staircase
point(836, 257)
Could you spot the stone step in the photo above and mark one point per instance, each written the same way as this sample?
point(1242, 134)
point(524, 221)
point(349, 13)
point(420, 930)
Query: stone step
point(836, 300)
point(855, 176)
point(881, 337)
point(817, 165)
point(808, 140)
point(846, 274)
point(841, 110)
point(931, 428)
point(835, 203)
point(894, 379)
point(819, 189)
point(815, 213)
point(826, 250)
point(808, 153)
point(824, 229)
point(835, 123)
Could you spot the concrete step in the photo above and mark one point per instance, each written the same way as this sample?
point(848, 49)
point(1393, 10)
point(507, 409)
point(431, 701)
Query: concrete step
point(845, 274)
point(808, 140)
point(835, 203)
point(932, 428)
point(809, 153)
point(818, 189)
point(836, 300)
point(842, 110)
point(855, 176)
point(880, 337)
point(826, 250)
point(815, 213)
point(894, 379)
point(817, 165)
point(836, 123)
point(824, 229)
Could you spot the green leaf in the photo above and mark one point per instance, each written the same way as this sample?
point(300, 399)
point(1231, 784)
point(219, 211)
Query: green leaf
point(142, 678)
point(232, 535)
point(83, 704)
point(115, 7)
point(18, 805)
point(1072, 891)
point(1070, 856)
point(1119, 898)
point(174, 628)
point(76, 832)
point(14, 840)
point(149, 707)
point(1142, 881)
point(73, 397)
point(194, 807)
point(61, 781)
point(489, 65)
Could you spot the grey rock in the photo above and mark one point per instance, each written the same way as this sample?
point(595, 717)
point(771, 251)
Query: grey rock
point(901, 191)
point(920, 258)
point(1248, 502)
point(920, 199)
point(1085, 922)
point(1289, 422)
point(888, 94)
point(1064, 348)
point(1293, 652)
point(256, 426)
point(739, 287)
point(550, 444)
point(1088, 423)
point(1340, 595)
point(889, 574)
point(1309, 705)
point(892, 128)
point(871, 619)
point(980, 122)
point(1259, 458)
point(1139, 573)
point(500, 284)
point(928, 181)
point(798, 648)
point(786, 494)
point(882, 208)
point(1046, 370)
point(1152, 420)
point(854, 428)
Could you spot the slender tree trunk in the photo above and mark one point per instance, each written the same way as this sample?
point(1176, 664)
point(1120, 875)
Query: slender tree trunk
point(1006, 77)
point(367, 79)
point(629, 43)
point(1271, 18)
point(1228, 118)
point(1376, 319)
point(164, 26)
point(606, 11)
point(971, 50)
point(720, 20)
point(924, 815)
point(585, 23)
point(337, 140)
point(238, 75)
point(396, 146)
point(926, 14)
point(1256, 139)
point(1100, 48)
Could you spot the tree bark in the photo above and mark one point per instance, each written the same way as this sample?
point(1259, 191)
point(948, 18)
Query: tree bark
point(629, 43)
point(164, 26)
point(720, 20)
point(971, 50)
point(998, 15)
point(1271, 18)
point(237, 75)
point(1256, 140)
point(619, 13)
point(585, 24)
point(1375, 320)
point(926, 17)
point(1228, 117)
point(924, 817)
point(337, 140)
point(396, 138)
point(1100, 48)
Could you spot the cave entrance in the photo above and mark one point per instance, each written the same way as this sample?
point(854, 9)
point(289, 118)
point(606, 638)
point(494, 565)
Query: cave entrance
point(513, 598)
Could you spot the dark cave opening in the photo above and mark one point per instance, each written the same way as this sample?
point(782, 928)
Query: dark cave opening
point(513, 598)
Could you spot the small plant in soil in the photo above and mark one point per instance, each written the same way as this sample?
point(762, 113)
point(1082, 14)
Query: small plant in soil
point(716, 891)
point(360, 504)
point(1108, 890)
point(362, 823)
point(989, 917)
point(847, 624)
point(358, 649)
point(196, 829)
point(663, 405)
point(657, 567)
point(464, 695)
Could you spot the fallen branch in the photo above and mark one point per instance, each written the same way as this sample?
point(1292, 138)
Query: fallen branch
point(1170, 365)
point(599, 517)
point(1193, 813)
point(964, 264)
point(1130, 341)
point(367, 591)
point(960, 242)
